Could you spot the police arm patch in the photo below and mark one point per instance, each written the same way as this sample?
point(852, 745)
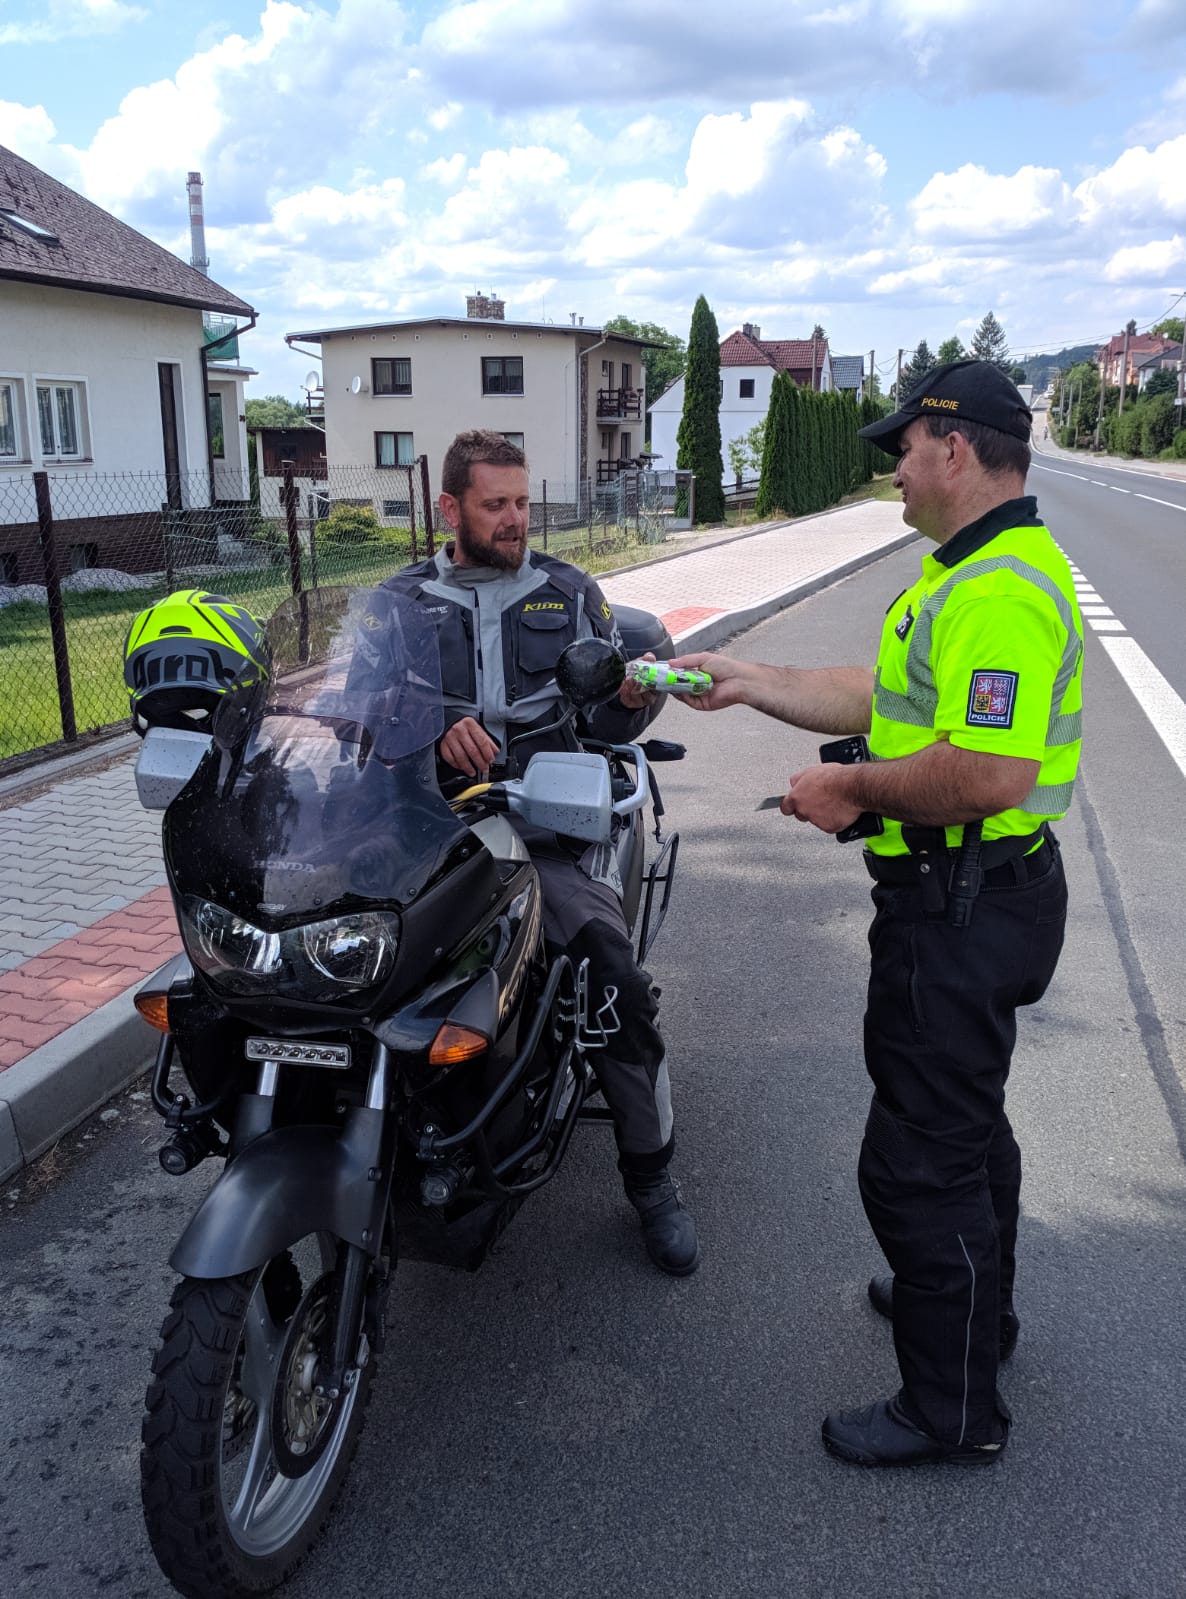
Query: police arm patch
point(991, 699)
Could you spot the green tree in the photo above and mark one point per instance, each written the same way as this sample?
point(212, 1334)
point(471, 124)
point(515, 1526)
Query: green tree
point(819, 333)
point(699, 435)
point(1170, 328)
point(776, 491)
point(745, 452)
point(950, 350)
point(663, 365)
point(274, 411)
point(1163, 382)
point(989, 344)
point(1017, 374)
point(920, 363)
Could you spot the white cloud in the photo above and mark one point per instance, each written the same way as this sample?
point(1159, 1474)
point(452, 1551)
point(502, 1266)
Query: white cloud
point(974, 204)
point(71, 19)
point(1150, 263)
point(444, 116)
point(1141, 186)
point(445, 170)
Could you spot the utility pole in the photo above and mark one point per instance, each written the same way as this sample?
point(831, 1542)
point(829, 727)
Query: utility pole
point(898, 384)
point(1182, 378)
point(1099, 415)
point(869, 390)
point(1123, 373)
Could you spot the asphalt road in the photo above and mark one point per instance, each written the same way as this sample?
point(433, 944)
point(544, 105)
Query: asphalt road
point(567, 1422)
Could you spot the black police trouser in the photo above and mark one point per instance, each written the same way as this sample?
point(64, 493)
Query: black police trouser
point(940, 1170)
point(583, 917)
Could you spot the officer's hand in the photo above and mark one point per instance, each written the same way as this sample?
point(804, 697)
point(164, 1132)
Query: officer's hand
point(632, 695)
point(818, 795)
point(729, 680)
point(468, 747)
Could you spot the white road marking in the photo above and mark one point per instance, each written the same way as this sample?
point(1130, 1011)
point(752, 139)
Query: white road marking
point(1095, 610)
point(1089, 595)
point(1129, 471)
point(1153, 500)
point(1102, 625)
point(1097, 482)
point(1115, 490)
point(1159, 701)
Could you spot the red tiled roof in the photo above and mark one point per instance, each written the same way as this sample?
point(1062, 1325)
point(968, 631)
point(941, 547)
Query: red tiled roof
point(1150, 343)
point(91, 249)
point(784, 355)
point(740, 350)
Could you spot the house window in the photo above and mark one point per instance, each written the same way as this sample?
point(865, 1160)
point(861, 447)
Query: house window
point(396, 508)
point(214, 421)
point(502, 374)
point(625, 449)
point(83, 557)
point(392, 377)
point(10, 567)
point(514, 438)
point(393, 449)
point(11, 442)
point(721, 396)
point(745, 388)
point(627, 375)
point(60, 416)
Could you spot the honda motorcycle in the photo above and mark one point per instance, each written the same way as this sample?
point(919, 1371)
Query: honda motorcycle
point(376, 1043)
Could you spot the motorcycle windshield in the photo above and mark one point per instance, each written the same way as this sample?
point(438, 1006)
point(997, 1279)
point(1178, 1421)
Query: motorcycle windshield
point(323, 797)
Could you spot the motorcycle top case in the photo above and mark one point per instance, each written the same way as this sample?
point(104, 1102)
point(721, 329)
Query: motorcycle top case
point(642, 632)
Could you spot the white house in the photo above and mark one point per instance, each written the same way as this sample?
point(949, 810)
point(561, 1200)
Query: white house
point(111, 379)
point(570, 396)
point(748, 366)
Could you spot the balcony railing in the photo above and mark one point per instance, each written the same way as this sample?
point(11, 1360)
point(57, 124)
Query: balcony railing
point(609, 471)
point(214, 327)
point(619, 403)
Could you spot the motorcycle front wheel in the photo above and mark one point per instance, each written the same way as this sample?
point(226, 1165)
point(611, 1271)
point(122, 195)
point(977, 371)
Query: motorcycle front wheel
point(241, 1460)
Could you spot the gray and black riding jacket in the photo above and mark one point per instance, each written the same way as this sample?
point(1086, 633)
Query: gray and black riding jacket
point(501, 634)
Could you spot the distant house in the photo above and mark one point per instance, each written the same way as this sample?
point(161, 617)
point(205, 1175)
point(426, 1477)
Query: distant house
point(1111, 358)
point(107, 367)
point(748, 365)
point(848, 374)
point(1145, 366)
point(571, 396)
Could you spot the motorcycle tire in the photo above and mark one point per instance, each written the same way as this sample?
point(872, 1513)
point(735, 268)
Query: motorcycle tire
point(211, 1386)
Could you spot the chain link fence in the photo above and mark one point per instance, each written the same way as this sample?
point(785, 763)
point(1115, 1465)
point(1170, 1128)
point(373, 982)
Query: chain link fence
point(81, 554)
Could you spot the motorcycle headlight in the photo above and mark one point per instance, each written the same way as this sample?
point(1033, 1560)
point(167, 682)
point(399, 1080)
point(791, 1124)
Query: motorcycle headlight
point(355, 951)
point(320, 961)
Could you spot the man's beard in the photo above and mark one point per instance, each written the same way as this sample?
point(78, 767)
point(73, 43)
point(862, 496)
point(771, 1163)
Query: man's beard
point(507, 557)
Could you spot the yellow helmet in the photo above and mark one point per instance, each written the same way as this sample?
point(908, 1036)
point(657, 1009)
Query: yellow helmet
point(182, 654)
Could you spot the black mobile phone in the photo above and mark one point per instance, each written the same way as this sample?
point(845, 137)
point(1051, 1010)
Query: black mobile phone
point(851, 752)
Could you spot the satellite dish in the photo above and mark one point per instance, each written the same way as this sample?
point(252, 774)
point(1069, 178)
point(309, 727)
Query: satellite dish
point(313, 380)
point(356, 385)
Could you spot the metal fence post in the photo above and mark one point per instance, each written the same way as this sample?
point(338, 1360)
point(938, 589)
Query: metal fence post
point(288, 494)
point(589, 490)
point(167, 545)
point(53, 594)
point(429, 541)
point(412, 507)
point(313, 541)
point(545, 516)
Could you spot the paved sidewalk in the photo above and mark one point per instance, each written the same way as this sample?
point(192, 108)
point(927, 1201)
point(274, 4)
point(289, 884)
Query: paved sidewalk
point(85, 915)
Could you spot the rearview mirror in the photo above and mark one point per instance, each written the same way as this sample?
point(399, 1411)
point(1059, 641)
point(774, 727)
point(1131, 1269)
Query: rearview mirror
point(590, 672)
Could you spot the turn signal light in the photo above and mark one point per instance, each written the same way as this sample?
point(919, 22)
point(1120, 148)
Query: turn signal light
point(155, 1010)
point(453, 1044)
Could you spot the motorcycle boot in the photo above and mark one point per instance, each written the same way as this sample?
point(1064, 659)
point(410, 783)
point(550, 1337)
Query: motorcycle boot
point(668, 1231)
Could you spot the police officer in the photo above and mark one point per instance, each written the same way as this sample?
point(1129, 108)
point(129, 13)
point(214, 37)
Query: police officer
point(503, 614)
point(973, 722)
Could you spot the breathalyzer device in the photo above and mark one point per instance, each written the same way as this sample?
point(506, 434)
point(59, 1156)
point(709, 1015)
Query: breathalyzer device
point(667, 679)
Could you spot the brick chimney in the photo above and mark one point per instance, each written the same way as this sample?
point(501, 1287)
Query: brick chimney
point(485, 308)
point(751, 330)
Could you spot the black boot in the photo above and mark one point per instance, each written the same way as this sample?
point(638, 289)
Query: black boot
point(668, 1231)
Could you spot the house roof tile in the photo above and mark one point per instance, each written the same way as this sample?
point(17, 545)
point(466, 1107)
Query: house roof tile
point(848, 371)
point(88, 248)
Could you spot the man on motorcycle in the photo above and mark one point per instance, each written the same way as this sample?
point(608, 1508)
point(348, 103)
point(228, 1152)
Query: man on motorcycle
point(503, 614)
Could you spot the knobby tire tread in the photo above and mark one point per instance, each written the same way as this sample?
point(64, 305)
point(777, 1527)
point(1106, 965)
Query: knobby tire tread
point(181, 1444)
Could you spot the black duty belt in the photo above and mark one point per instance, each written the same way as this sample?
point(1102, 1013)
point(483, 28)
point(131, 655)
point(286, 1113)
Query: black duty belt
point(1004, 862)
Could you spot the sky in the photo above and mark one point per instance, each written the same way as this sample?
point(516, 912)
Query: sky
point(892, 169)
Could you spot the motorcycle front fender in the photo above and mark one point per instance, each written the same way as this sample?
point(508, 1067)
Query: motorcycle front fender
point(286, 1184)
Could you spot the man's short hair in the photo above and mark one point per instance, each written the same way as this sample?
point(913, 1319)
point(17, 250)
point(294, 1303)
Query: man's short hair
point(478, 447)
point(997, 452)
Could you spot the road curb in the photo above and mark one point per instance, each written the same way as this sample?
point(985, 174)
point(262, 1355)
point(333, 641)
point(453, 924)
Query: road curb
point(43, 1096)
point(708, 635)
point(49, 1092)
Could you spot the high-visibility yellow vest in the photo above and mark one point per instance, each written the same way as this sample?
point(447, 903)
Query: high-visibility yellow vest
point(986, 650)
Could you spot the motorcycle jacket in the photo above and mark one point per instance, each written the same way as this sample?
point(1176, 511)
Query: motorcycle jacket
point(501, 633)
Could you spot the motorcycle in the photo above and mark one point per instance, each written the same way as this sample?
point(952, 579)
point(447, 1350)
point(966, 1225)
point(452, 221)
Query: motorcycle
point(377, 1043)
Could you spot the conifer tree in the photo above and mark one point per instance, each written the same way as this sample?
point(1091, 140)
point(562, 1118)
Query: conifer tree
point(775, 491)
point(988, 343)
point(699, 435)
point(920, 363)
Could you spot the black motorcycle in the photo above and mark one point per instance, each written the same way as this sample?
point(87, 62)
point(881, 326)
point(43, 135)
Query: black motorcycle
point(375, 1039)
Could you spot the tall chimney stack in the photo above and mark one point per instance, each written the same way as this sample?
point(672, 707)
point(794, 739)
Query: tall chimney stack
point(197, 225)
